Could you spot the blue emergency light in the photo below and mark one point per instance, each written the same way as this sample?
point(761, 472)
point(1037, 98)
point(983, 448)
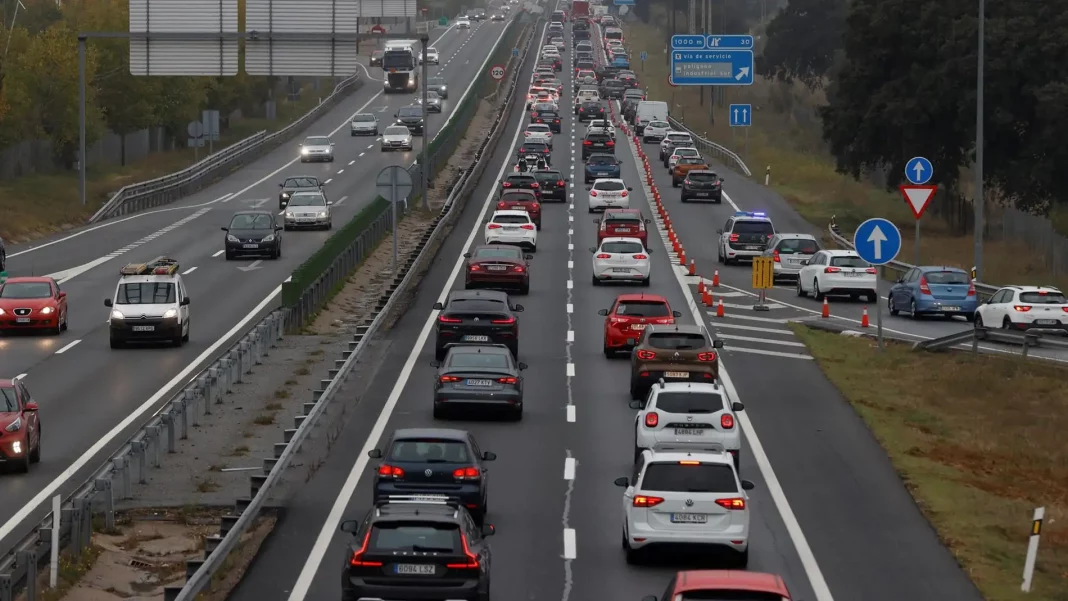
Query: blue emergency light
point(750, 214)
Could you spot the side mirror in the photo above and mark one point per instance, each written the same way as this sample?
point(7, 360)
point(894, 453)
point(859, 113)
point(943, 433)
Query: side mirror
point(622, 482)
point(736, 407)
point(593, 249)
point(602, 312)
point(518, 308)
point(647, 220)
point(899, 281)
point(467, 255)
point(107, 302)
point(31, 406)
point(395, 116)
point(747, 485)
point(332, 144)
point(281, 185)
point(567, 180)
point(649, 250)
point(676, 313)
point(185, 302)
point(636, 405)
point(438, 306)
point(522, 366)
point(719, 231)
point(225, 229)
point(375, 453)
point(278, 228)
point(528, 257)
point(435, 364)
point(805, 262)
point(62, 294)
point(588, 189)
point(489, 456)
point(329, 203)
point(597, 220)
point(629, 189)
point(717, 344)
point(301, 145)
point(350, 526)
point(488, 530)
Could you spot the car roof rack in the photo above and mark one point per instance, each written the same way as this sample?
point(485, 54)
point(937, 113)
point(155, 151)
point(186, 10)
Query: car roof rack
point(157, 266)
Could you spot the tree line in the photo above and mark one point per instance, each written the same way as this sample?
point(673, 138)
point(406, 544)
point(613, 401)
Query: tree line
point(900, 79)
point(39, 86)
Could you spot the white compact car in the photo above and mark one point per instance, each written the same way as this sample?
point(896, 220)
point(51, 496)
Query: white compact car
point(622, 260)
point(838, 272)
point(396, 137)
point(655, 131)
point(673, 140)
point(512, 227)
point(559, 43)
point(687, 416)
point(679, 153)
point(1025, 308)
point(681, 498)
point(463, 23)
point(538, 132)
point(608, 194)
point(599, 125)
point(432, 57)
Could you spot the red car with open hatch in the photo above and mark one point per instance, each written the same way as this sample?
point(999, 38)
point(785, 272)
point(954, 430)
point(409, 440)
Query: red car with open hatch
point(725, 584)
point(629, 315)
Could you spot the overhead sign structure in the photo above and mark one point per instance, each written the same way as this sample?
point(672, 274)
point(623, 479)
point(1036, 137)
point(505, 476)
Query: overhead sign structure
point(741, 115)
point(497, 72)
point(918, 197)
point(919, 171)
point(202, 55)
point(877, 241)
point(715, 60)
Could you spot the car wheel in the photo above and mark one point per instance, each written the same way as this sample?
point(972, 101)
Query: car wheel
point(524, 289)
point(607, 350)
point(890, 305)
point(816, 291)
point(970, 317)
point(115, 343)
point(35, 453)
point(637, 453)
point(594, 280)
point(517, 414)
point(645, 282)
point(439, 353)
point(439, 412)
point(800, 290)
point(741, 561)
point(977, 319)
point(22, 466)
point(912, 310)
point(1006, 324)
point(188, 330)
point(63, 326)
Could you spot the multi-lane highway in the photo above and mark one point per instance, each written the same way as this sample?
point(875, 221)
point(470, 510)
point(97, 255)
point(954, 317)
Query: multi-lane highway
point(828, 511)
point(92, 397)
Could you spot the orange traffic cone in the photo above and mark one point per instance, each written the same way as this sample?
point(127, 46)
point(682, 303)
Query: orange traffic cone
point(715, 279)
point(682, 256)
point(701, 286)
point(706, 298)
point(693, 268)
point(864, 317)
point(826, 308)
point(719, 308)
point(675, 246)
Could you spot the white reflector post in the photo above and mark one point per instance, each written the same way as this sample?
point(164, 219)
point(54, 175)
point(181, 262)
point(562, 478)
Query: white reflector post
point(1032, 548)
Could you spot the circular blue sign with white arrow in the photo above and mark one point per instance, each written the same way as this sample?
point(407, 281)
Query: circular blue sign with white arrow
point(919, 171)
point(877, 241)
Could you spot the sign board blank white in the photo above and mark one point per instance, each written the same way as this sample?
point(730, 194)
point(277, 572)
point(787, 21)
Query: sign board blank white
point(183, 57)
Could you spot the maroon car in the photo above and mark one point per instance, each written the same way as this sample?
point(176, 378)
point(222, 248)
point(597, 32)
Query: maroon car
point(521, 199)
point(498, 266)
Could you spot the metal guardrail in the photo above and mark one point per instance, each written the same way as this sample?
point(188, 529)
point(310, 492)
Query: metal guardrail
point(1027, 340)
point(705, 145)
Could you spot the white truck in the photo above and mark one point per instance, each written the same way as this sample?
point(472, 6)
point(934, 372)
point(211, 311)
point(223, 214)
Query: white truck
point(400, 60)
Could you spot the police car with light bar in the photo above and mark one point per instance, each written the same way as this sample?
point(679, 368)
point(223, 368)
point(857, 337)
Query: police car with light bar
point(151, 304)
point(744, 236)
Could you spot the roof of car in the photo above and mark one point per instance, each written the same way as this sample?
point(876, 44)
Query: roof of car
point(796, 236)
point(486, 349)
point(834, 252)
point(640, 296)
point(621, 239)
point(392, 511)
point(442, 433)
point(689, 386)
point(609, 212)
point(253, 212)
point(684, 328)
point(930, 268)
point(7, 383)
point(28, 279)
point(702, 455)
point(602, 155)
point(691, 580)
point(508, 213)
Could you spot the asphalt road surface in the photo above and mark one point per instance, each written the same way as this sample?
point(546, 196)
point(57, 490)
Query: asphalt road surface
point(828, 512)
point(92, 398)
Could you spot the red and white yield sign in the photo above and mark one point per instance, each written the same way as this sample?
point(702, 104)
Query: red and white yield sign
point(497, 72)
point(918, 197)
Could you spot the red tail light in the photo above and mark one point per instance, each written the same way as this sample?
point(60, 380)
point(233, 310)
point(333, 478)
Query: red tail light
point(507, 321)
point(508, 380)
point(1022, 308)
point(666, 320)
point(546, 152)
point(604, 226)
point(871, 270)
point(709, 356)
point(610, 143)
point(831, 270)
point(357, 556)
point(390, 471)
point(593, 193)
point(506, 185)
point(533, 115)
point(652, 419)
point(447, 319)
point(726, 421)
point(646, 355)
point(586, 142)
point(686, 181)
point(556, 120)
point(501, 205)
point(449, 379)
point(475, 268)
point(527, 226)
point(1065, 309)
point(472, 559)
point(734, 238)
point(775, 256)
point(641, 257)
point(736, 503)
point(623, 194)
point(604, 256)
point(644, 501)
point(971, 291)
point(560, 183)
point(493, 226)
point(536, 185)
point(466, 473)
point(518, 269)
point(615, 321)
point(924, 288)
point(535, 206)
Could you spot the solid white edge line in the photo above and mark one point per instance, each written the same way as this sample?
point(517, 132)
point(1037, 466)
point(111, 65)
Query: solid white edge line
point(106, 440)
point(569, 468)
point(337, 511)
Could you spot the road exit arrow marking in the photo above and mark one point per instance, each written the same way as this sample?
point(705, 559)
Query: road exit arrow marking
point(252, 266)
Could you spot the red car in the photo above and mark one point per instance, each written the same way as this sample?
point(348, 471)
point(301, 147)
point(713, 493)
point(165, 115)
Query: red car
point(624, 322)
point(20, 428)
point(32, 303)
point(623, 223)
point(498, 266)
point(725, 584)
point(521, 200)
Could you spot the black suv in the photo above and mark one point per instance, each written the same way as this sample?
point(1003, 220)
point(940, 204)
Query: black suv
point(476, 317)
point(550, 118)
point(552, 184)
point(417, 548)
point(597, 142)
point(590, 110)
point(612, 88)
point(702, 184)
point(521, 181)
point(412, 118)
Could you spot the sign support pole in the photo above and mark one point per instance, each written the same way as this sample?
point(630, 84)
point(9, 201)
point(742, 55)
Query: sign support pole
point(394, 202)
point(917, 242)
point(57, 512)
point(879, 322)
point(426, 150)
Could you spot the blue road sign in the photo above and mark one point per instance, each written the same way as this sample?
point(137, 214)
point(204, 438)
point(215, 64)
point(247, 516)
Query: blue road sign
point(712, 67)
point(687, 42)
point(644, 55)
point(919, 171)
point(624, 2)
point(744, 42)
point(741, 115)
point(515, 51)
point(877, 241)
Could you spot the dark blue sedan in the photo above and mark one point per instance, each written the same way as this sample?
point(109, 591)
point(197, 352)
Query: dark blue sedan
point(934, 290)
point(602, 166)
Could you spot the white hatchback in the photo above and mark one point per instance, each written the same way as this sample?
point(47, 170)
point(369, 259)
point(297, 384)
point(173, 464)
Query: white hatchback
point(687, 416)
point(538, 132)
point(679, 153)
point(680, 498)
point(599, 125)
point(608, 194)
point(621, 259)
point(838, 272)
point(655, 131)
point(512, 227)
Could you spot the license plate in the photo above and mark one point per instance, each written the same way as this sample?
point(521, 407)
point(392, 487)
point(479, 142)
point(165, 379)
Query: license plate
point(144, 328)
point(622, 230)
point(250, 245)
point(638, 326)
point(689, 518)
point(414, 568)
point(511, 229)
point(702, 193)
point(1047, 322)
point(689, 432)
point(497, 268)
point(676, 374)
point(22, 320)
point(620, 270)
point(851, 274)
point(476, 338)
point(752, 248)
point(480, 382)
point(951, 308)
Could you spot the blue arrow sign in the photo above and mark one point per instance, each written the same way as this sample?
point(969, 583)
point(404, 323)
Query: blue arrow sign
point(877, 241)
point(712, 67)
point(515, 51)
point(744, 42)
point(624, 2)
point(644, 55)
point(919, 171)
point(687, 42)
point(741, 115)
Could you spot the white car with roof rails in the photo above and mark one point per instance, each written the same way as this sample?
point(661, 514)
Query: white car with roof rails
point(688, 416)
point(432, 56)
point(838, 273)
point(608, 193)
point(151, 304)
point(673, 140)
point(655, 131)
point(463, 23)
point(512, 227)
point(1025, 308)
point(538, 132)
point(599, 125)
point(621, 259)
point(679, 498)
point(744, 236)
point(684, 152)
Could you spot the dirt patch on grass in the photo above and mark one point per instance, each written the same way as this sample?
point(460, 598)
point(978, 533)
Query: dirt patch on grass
point(979, 442)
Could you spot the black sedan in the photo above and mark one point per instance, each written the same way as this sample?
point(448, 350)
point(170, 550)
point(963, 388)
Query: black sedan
point(552, 184)
point(484, 377)
point(476, 317)
point(550, 118)
point(253, 233)
point(588, 111)
point(536, 149)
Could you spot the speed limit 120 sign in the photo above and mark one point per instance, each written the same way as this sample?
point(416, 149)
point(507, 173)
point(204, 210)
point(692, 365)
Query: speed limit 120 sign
point(497, 72)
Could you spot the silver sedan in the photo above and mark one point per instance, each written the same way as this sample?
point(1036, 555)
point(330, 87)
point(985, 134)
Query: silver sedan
point(308, 210)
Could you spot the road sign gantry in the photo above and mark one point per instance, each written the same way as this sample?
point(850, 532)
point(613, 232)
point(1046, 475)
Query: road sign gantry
point(714, 60)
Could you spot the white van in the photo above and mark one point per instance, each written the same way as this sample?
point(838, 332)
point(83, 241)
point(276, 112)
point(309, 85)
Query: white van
point(649, 110)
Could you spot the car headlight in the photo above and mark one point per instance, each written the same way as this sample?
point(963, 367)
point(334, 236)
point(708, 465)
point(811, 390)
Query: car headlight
point(48, 310)
point(268, 238)
point(289, 215)
point(322, 213)
point(170, 314)
point(15, 426)
point(231, 238)
point(117, 315)
point(285, 194)
point(303, 151)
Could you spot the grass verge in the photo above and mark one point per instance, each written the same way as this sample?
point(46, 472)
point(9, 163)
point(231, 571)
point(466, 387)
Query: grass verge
point(37, 205)
point(786, 135)
point(978, 441)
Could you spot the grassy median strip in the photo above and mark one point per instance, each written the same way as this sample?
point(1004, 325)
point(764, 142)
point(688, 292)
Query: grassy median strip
point(979, 441)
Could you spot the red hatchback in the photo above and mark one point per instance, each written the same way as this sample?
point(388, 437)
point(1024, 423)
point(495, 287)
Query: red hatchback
point(520, 199)
point(498, 266)
point(20, 428)
point(629, 315)
point(725, 584)
point(623, 223)
point(32, 303)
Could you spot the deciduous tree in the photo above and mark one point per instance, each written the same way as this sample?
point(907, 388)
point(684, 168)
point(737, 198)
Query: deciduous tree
point(803, 40)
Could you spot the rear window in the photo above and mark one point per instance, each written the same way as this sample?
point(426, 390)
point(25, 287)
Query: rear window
point(602, 159)
point(414, 536)
point(478, 361)
point(622, 248)
point(499, 252)
point(641, 308)
point(703, 177)
point(947, 277)
point(613, 83)
point(305, 182)
point(855, 262)
point(1037, 298)
point(613, 35)
point(484, 305)
point(538, 127)
point(689, 402)
point(676, 341)
point(658, 124)
point(513, 219)
point(520, 180)
point(753, 227)
point(694, 160)
point(548, 114)
point(534, 147)
point(676, 138)
point(798, 247)
point(730, 595)
point(622, 218)
point(548, 176)
point(609, 186)
point(422, 450)
point(706, 477)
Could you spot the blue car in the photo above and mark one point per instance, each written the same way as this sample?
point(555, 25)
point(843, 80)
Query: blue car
point(601, 165)
point(621, 62)
point(931, 290)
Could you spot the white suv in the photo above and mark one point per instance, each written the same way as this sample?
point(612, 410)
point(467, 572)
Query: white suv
point(678, 498)
point(1025, 308)
point(512, 227)
point(687, 416)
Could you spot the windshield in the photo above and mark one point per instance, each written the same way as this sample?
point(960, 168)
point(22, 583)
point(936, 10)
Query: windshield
point(411, 111)
point(363, 118)
point(799, 247)
point(302, 182)
point(498, 252)
point(854, 262)
point(397, 130)
point(247, 221)
point(26, 290)
point(478, 361)
point(703, 177)
point(145, 293)
point(643, 308)
point(398, 59)
point(673, 477)
point(608, 186)
point(947, 277)
point(307, 200)
point(377, 53)
point(436, 81)
point(676, 341)
point(689, 402)
point(622, 248)
point(511, 219)
point(316, 141)
point(432, 95)
point(1039, 298)
point(394, 537)
point(425, 450)
point(8, 402)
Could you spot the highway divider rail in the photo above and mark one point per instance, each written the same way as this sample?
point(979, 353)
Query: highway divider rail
point(144, 450)
point(978, 334)
point(724, 154)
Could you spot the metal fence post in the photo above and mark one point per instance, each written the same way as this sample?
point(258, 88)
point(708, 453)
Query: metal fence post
point(107, 496)
point(28, 559)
